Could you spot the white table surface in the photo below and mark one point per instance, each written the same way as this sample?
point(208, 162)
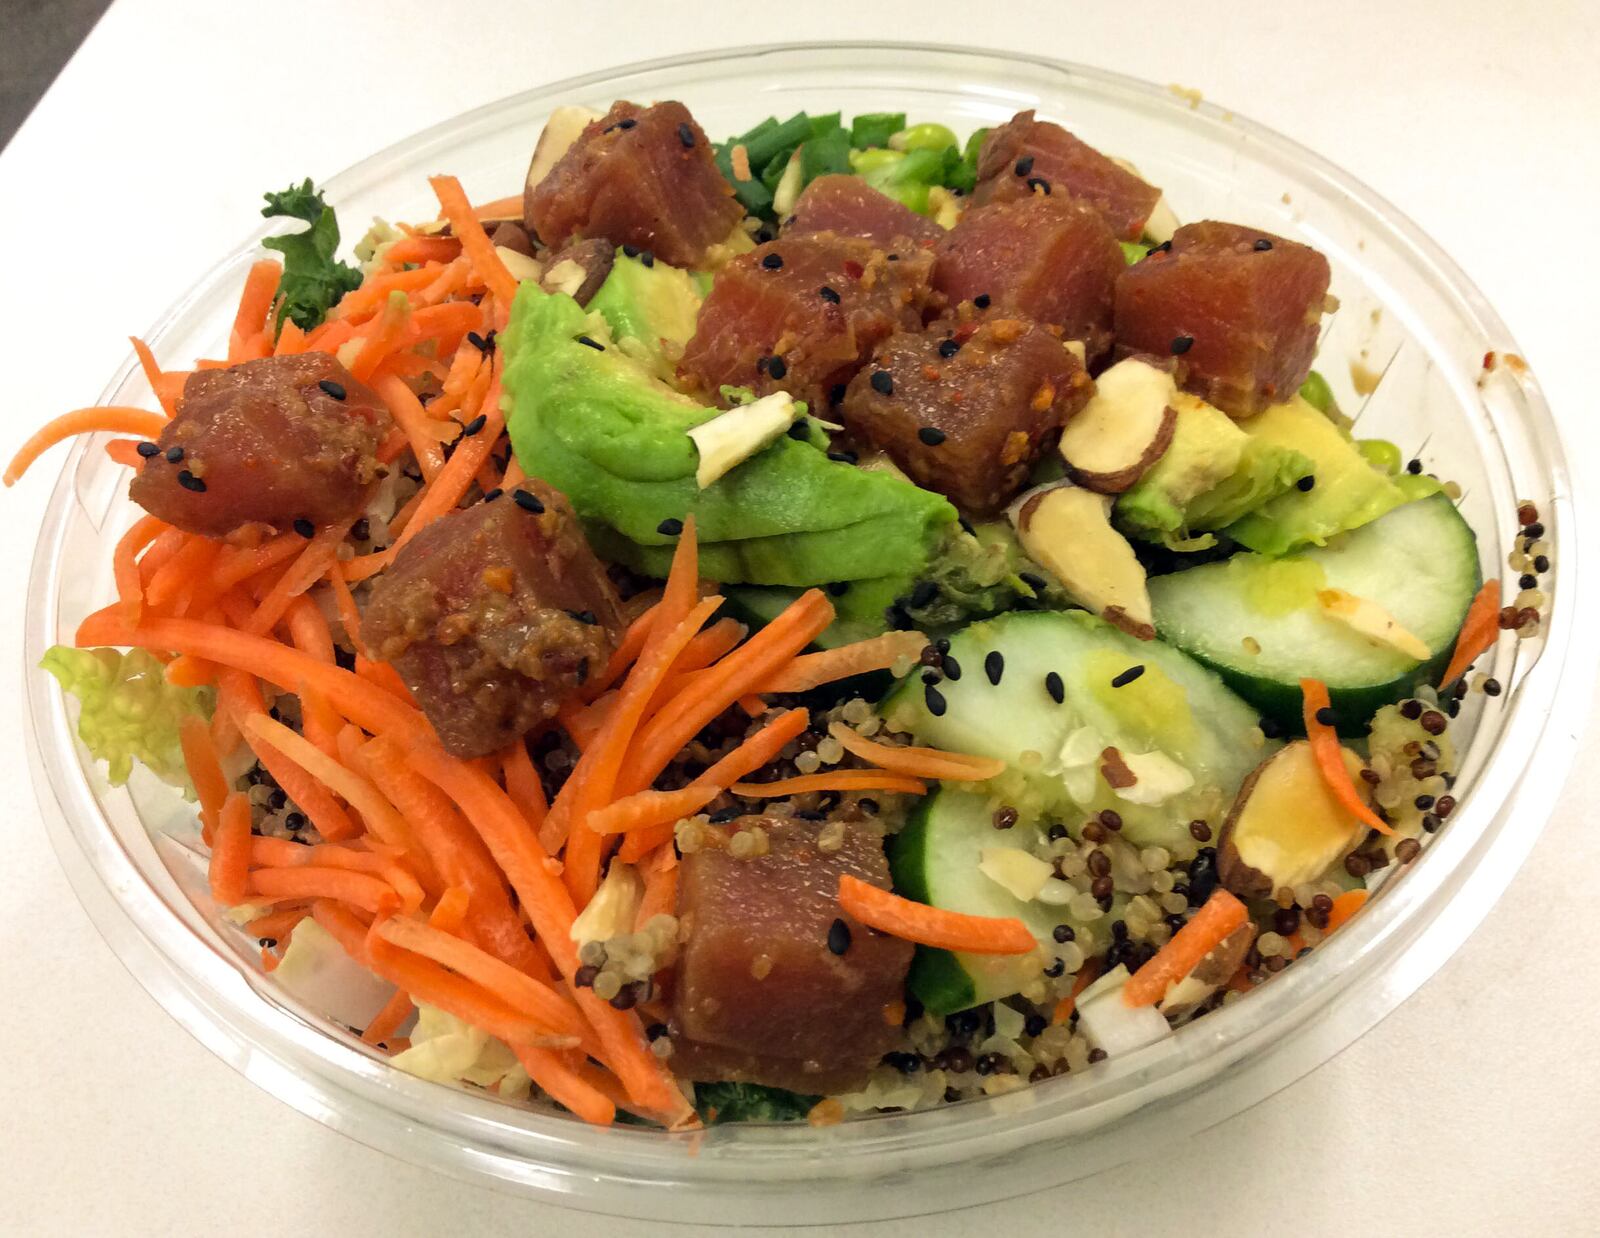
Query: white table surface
point(1474, 1109)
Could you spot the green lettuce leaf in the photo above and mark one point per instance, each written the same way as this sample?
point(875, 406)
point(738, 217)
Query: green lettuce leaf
point(313, 279)
point(749, 1102)
point(128, 711)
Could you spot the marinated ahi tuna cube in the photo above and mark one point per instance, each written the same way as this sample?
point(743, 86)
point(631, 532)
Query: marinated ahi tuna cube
point(1025, 156)
point(802, 313)
point(1049, 259)
point(851, 207)
point(493, 616)
point(278, 440)
point(968, 412)
point(776, 984)
point(1239, 308)
point(637, 176)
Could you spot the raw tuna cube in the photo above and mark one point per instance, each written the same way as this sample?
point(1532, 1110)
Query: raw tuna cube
point(1025, 156)
point(769, 988)
point(1239, 308)
point(266, 441)
point(1049, 259)
point(967, 411)
point(801, 314)
point(638, 176)
point(493, 616)
point(851, 207)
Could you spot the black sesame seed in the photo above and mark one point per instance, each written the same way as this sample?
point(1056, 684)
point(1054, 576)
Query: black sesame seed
point(773, 262)
point(828, 295)
point(686, 135)
point(843, 457)
point(1037, 183)
point(174, 455)
point(148, 449)
point(839, 588)
point(477, 341)
point(934, 700)
point(838, 937)
point(493, 495)
point(882, 382)
point(949, 348)
point(329, 387)
point(528, 501)
point(1034, 1024)
point(1414, 467)
point(586, 617)
point(1034, 581)
point(1058, 967)
point(1024, 165)
point(1308, 482)
point(1063, 933)
point(931, 436)
point(952, 668)
point(1326, 716)
point(994, 665)
point(981, 300)
point(475, 425)
point(630, 251)
point(1181, 344)
point(189, 481)
point(625, 125)
point(1128, 676)
point(670, 527)
point(591, 343)
point(1491, 687)
point(1162, 248)
point(1054, 686)
point(304, 527)
point(1262, 245)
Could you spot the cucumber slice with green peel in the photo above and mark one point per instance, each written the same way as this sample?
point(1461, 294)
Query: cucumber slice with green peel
point(1259, 623)
point(935, 859)
point(1067, 691)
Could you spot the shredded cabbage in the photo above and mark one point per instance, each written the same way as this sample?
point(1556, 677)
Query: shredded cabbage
point(128, 710)
point(446, 1049)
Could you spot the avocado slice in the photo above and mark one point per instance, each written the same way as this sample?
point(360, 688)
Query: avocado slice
point(600, 427)
point(651, 309)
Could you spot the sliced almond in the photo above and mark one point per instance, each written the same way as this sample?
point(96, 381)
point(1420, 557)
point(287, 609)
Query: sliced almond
point(1126, 426)
point(1067, 529)
point(1020, 873)
point(1213, 971)
point(1156, 778)
point(520, 265)
point(1366, 618)
point(1285, 827)
point(560, 132)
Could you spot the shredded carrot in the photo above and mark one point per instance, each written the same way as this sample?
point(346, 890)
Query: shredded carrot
point(205, 771)
point(917, 762)
point(316, 881)
point(812, 670)
point(160, 552)
point(277, 925)
point(1085, 977)
point(125, 451)
point(833, 780)
point(932, 926)
point(500, 208)
point(1220, 915)
point(1479, 631)
point(422, 249)
point(410, 416)
point(1345, 906)
point(475, 242)
point(1329, 753)
point(159, 381)
point(565, 1083)
point(125, 563)
point(628, 650)
point(644, 809)
point(660, 889)
point(389, 1019)
point(111, 419)
point(291, 339)
point(345, 603)
point(387, 333)
point(190, 563)
point(304, 572)
point(345, 925)
point(522, 783)
point(230, 851)
point(255, 303)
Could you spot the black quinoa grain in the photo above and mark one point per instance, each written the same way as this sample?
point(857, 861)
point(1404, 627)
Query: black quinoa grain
point(1541, 563)
point(1411, 710)
point(1063, 933)
point(1534, 530)
point(148, 449)
point(905, 1063)
point(949, 348)
point(828, 295)
point(1326, 716)
point(1432, 721)
point(1357, 866)
point(1491, 687)
point(994, 665)
point(295, 821)
point(1423, 802)
point(1306, 483)
point(1023, 166)
point(1271, 728)
point(1181, 344)
point(1407, 849)
point(838, 588)
point(304, 527)
point(981, 300)
point(1200, 831)
point(331, 388)
point(1413, 467)
point(931, 436)
point(1058, 967)
point(1430, 822)
point(1286, 921)
point(1128, 676)
point(1056, 832)
point(799, 431)
point(1262, 245)
point(773, 262)
point(189, 481)
point(838, 937)
point(1370, 776)
point(1444, 806)
point(627, 997)
point(1527, 581)
point(655, 1031)
point(923, 593)
point(934, 699)
point(1005, 818)
point(646, 259)
point(584, 977)
point(1202, 876)
point(1054, 686)
point(930, 656)
point(882, 382)
point(589, 342)
point(1095, 832)
point(724, 815)
point(1099, 866)
point(686, 135)
point(630, 251)
point(868, 806)
point(1111, 819)
point(528, 501)
point(1096, 1055)
point(670, 527)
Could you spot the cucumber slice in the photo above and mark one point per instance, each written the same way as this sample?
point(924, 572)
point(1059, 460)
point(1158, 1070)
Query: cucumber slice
point(1418, 562)
point(935, 860)
point(1174, 708)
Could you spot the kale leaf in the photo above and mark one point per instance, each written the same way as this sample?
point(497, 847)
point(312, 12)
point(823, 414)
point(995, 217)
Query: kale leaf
point(313, 279)
point(749, 1102)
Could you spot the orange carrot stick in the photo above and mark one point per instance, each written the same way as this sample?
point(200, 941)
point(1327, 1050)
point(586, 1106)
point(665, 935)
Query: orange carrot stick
point(834, 780)
point(315, 881)
point(410, 416)
point(205, 771)
point(255, 302)
point(1329, 753)
point(812, 670)
point(159, 382)
point(1479, 631)
point(114, 419)
point(1085, 977)
point(475, 243)
point(917, 762)
point(932, 926)
point(125, 564)
point(230, 852)
point(1221, 914)
point(1345, 906)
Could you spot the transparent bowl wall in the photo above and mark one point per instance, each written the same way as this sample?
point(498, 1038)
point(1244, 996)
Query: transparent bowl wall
point(1407, 312)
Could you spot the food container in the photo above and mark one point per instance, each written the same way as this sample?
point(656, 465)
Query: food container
point(1407, 314)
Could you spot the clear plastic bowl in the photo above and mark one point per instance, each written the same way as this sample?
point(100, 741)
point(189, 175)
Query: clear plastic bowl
point(1407, 312)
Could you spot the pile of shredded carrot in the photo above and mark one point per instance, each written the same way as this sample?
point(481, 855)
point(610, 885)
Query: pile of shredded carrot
point(452, 879)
